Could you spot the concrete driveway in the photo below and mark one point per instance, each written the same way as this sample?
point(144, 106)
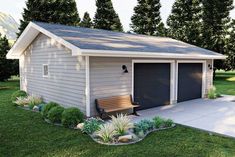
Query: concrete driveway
point(211, 115)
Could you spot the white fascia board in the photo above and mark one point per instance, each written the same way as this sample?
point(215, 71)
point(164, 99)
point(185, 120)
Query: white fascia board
point(109, 53)
point(29, 34)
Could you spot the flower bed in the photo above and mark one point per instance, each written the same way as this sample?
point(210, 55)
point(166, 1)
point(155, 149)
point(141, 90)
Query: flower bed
point(120, 130)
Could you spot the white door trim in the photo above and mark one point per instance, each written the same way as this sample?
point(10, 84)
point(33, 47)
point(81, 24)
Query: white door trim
point(172, 75)
point(204, 71)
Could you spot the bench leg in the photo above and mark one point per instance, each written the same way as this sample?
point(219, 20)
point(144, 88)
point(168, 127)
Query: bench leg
point(134, 112)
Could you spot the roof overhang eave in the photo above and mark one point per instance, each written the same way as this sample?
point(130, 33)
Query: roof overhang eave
point(108, 53)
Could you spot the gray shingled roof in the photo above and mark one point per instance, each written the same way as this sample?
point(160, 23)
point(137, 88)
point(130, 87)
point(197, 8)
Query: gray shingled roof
point(97, 39)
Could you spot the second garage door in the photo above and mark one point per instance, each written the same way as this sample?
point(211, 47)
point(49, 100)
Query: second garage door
point(189, 81)
point(152, 84)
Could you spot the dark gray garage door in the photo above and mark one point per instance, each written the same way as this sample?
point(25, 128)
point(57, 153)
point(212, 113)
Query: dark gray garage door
point(152, 84)
point(189, 81)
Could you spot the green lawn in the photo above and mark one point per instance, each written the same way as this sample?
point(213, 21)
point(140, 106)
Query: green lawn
point(24, 133)
point(225, 82)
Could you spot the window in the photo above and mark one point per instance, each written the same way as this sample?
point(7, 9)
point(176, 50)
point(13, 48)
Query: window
point(45, 70)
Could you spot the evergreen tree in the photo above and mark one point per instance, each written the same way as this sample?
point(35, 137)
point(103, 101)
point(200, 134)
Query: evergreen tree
point(215, 26)
point(51, 11)
point(184, 21)
point(230, 48)
point(147, 19)
point(86, 21)
point(106, 17)
point(7, 67)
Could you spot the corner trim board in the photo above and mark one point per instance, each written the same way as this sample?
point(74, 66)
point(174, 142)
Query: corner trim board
point(87, 90)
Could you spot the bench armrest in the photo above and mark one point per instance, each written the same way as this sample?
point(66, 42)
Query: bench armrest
point(135, 103)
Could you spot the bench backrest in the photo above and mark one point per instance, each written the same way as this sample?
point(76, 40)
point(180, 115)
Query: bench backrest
point(115, 102)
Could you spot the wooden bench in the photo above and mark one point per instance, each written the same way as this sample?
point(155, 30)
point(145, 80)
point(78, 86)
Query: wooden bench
point(114, 104)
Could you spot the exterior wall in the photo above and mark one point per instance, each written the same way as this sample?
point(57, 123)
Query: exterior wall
point(66, 81)
point(107, 79)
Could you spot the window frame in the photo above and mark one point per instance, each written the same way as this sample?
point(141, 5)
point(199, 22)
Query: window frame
point(43, 70)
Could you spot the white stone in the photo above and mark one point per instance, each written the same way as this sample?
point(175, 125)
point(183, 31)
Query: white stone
point(80, 125)
point(35, 108)
point(125, 138)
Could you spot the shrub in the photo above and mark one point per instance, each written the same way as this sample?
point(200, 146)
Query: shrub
point(158, 122)
point(18, 93)
point(121, 123)
point(71, 117)
point(168, 123)
point(92, 125)
point(34, 100)
point(106, 132)
point(212, 93)
point(143, 126)
point(55, 114)
point(46, 108)
point(21, 101)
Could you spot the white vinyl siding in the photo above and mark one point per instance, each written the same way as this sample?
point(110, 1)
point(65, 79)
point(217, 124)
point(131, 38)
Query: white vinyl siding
point(65, 83)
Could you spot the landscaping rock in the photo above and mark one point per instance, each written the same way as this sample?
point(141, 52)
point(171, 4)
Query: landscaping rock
point(36, 108)
point(80, 126)
point(125, 138)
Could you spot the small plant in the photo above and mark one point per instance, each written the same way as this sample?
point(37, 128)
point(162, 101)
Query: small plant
point(55, 114)
point(46, 108)
point(71, 117)
point(158, 122)
point(106, 132)
point(21, 101)
point(121, 123)
point(17, 94)
point(143, 126)
point(212, 93)
point(92, 125)
point(168, 123)
point(33, 101)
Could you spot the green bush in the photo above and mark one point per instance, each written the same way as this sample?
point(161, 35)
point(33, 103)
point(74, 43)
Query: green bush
point(92, 125)
point(143, 126)
point(71, 117)
point(168, 123)
point(158, 122)
point(55, 114)
point(18, 93)
point(46, 108)
point(212, 93)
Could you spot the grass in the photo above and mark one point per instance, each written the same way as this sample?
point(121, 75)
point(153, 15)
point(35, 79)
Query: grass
point(24, 133)
point(225, 82)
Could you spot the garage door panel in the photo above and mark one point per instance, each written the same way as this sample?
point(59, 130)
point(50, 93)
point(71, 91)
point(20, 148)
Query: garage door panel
point(152, 84)
point(189, 81)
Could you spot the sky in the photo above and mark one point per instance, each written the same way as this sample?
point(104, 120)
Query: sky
point(124, 8)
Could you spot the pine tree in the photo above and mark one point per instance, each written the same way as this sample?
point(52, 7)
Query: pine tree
point(215, 26)
point(86, 21)
point(51, 11)
point(106, 17)
point(147, 19)
point(7, 67)
point(184, 21)
point(230, 48)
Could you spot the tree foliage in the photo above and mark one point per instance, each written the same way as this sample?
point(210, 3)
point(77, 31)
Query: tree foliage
point(7, 67)
point(184, 21)
point(86, 21)
point(106, 17)
point(147, 19)
point(215, 26)
point(51, 11)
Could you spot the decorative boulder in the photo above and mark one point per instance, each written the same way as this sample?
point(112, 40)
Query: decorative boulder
point(80, 126)
point(36, 108)
point(125, 138)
